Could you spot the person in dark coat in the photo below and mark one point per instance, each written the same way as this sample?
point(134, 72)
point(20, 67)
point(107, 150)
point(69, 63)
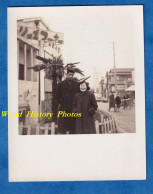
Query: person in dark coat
point(126, 100)
point(118, 102)
point(85, 103)
point(65, 95)
point(111, 101)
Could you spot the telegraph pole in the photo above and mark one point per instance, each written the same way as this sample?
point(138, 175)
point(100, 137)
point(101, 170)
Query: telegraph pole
point(114, 65)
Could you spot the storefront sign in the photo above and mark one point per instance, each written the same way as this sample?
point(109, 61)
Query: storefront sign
point(37, 34)
point(120, 87)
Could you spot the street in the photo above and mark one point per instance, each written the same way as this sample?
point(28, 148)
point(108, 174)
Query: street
point(125, 119)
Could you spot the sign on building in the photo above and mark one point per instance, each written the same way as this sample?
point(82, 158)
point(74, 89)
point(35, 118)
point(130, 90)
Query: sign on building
point(120, 87)
point(51, 37)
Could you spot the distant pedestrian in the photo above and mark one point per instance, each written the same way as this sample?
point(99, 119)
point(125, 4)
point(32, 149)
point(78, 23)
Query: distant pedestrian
point(127, 100)
point(118, 102)
point(124, 102)
point(111, 101)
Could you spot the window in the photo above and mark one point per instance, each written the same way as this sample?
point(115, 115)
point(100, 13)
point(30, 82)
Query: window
point(28, 64)
point(21, 71)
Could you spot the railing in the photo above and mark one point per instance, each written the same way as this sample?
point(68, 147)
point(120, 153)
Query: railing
point(106, 125)
point(46, 129)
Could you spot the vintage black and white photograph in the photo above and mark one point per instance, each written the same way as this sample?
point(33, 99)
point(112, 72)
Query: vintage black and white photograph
point(76, 75)
point(76, 98)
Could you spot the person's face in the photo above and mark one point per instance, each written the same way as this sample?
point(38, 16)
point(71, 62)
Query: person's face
point(70, 75)
point(83, 87)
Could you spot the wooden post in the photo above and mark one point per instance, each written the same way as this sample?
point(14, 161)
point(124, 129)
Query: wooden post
point(53, 128)
point(105, 128)
point(111, 125)
point(115, 126)
point(20, 128)
point(102, 124)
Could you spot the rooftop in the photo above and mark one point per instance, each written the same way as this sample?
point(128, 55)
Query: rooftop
point(35, 19)
point(122, 70)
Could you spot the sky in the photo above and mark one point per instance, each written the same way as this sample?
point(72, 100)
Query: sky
point(89, 33)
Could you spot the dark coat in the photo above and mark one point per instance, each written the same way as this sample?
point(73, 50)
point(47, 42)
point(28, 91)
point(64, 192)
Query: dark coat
point(111, 101)
point(118, 100)
point(85, 103)
point(65, 96)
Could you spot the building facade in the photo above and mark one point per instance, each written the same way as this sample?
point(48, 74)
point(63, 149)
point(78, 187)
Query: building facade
point(34, 37)
point(117, 81)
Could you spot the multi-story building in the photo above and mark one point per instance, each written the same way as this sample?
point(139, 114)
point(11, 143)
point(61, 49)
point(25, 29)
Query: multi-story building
point(34, 37)
point(118, 80)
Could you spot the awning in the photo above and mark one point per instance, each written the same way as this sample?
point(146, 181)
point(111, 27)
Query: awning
point(131, 88)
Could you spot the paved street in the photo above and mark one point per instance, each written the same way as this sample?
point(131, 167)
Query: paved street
point(125, 118)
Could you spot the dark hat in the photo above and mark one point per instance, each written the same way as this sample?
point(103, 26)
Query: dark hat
point(83, 80)
point(70, 70)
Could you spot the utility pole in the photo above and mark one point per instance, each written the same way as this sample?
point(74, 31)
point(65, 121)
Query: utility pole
point(107, 87)
point(114, 65)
